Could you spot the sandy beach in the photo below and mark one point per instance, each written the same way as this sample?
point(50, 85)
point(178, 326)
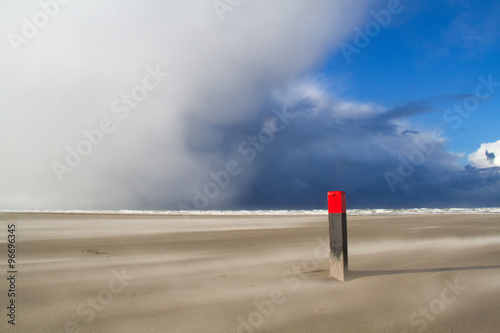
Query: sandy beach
point(133, 273)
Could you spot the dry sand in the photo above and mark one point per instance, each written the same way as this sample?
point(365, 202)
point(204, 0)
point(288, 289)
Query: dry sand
point(111, 273)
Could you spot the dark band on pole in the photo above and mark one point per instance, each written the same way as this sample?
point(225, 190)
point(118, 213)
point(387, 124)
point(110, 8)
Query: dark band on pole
point(338, 234)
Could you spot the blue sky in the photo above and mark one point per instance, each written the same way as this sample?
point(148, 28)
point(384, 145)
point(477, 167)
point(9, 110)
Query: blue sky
point(217, 104)
point(430, 49)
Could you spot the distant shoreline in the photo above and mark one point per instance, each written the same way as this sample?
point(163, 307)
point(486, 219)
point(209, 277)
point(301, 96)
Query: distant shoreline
point(316, 212)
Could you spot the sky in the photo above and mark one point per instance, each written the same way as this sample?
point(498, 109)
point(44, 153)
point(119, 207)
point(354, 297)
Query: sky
point(236, 104)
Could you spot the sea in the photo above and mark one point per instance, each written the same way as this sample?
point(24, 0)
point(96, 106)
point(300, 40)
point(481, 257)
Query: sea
point(358, 212)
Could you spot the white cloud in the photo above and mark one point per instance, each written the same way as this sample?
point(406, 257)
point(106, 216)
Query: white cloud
point(480, 159)
point(357, 110)
point(319, 91)
point(222, 73)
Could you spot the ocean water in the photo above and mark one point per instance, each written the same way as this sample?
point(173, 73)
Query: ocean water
point(359, 212)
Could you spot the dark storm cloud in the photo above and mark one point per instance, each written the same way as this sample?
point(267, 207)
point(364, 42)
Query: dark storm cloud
point(321, 151)
point(490, 157)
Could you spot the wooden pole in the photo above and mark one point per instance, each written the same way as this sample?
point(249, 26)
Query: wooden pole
point(338, 235)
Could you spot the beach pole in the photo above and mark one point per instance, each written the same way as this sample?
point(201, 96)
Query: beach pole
point(338, 235)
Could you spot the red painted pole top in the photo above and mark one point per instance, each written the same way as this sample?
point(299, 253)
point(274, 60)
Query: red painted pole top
point(336, 202)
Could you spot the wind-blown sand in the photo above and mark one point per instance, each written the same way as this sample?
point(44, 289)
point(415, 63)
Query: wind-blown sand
point(113, 273)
